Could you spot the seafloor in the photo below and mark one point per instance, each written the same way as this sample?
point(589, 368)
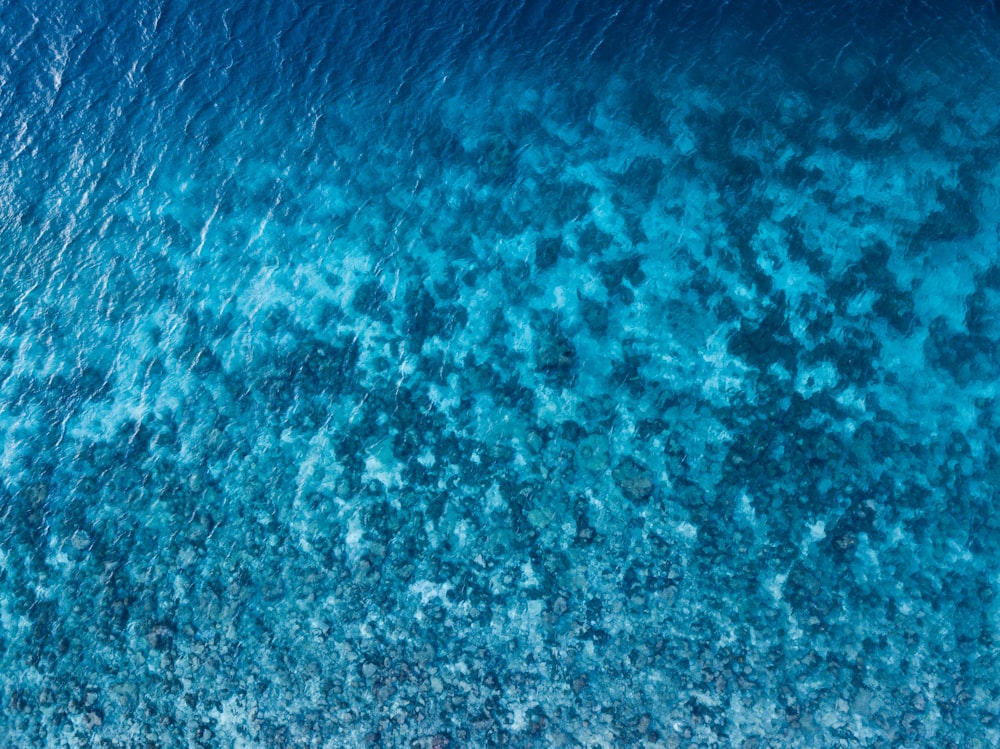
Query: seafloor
point(633, 406)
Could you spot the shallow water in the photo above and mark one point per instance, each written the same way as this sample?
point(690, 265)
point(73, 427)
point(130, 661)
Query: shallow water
point(384, 375)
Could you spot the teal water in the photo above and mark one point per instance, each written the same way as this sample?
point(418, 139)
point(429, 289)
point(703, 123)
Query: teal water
point(487, 376)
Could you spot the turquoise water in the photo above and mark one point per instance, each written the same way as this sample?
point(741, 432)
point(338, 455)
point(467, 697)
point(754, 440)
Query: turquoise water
point(478, 376)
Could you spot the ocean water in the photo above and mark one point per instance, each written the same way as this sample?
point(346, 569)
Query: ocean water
point(409, 374)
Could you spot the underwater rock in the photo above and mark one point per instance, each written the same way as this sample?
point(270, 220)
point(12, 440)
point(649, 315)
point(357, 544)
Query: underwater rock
point(634, 479)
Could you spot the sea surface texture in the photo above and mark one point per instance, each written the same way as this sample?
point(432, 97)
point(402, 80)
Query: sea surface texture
point(544, 374)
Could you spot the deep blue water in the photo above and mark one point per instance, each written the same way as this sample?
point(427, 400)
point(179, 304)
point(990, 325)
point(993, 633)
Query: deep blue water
point(474, 375)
